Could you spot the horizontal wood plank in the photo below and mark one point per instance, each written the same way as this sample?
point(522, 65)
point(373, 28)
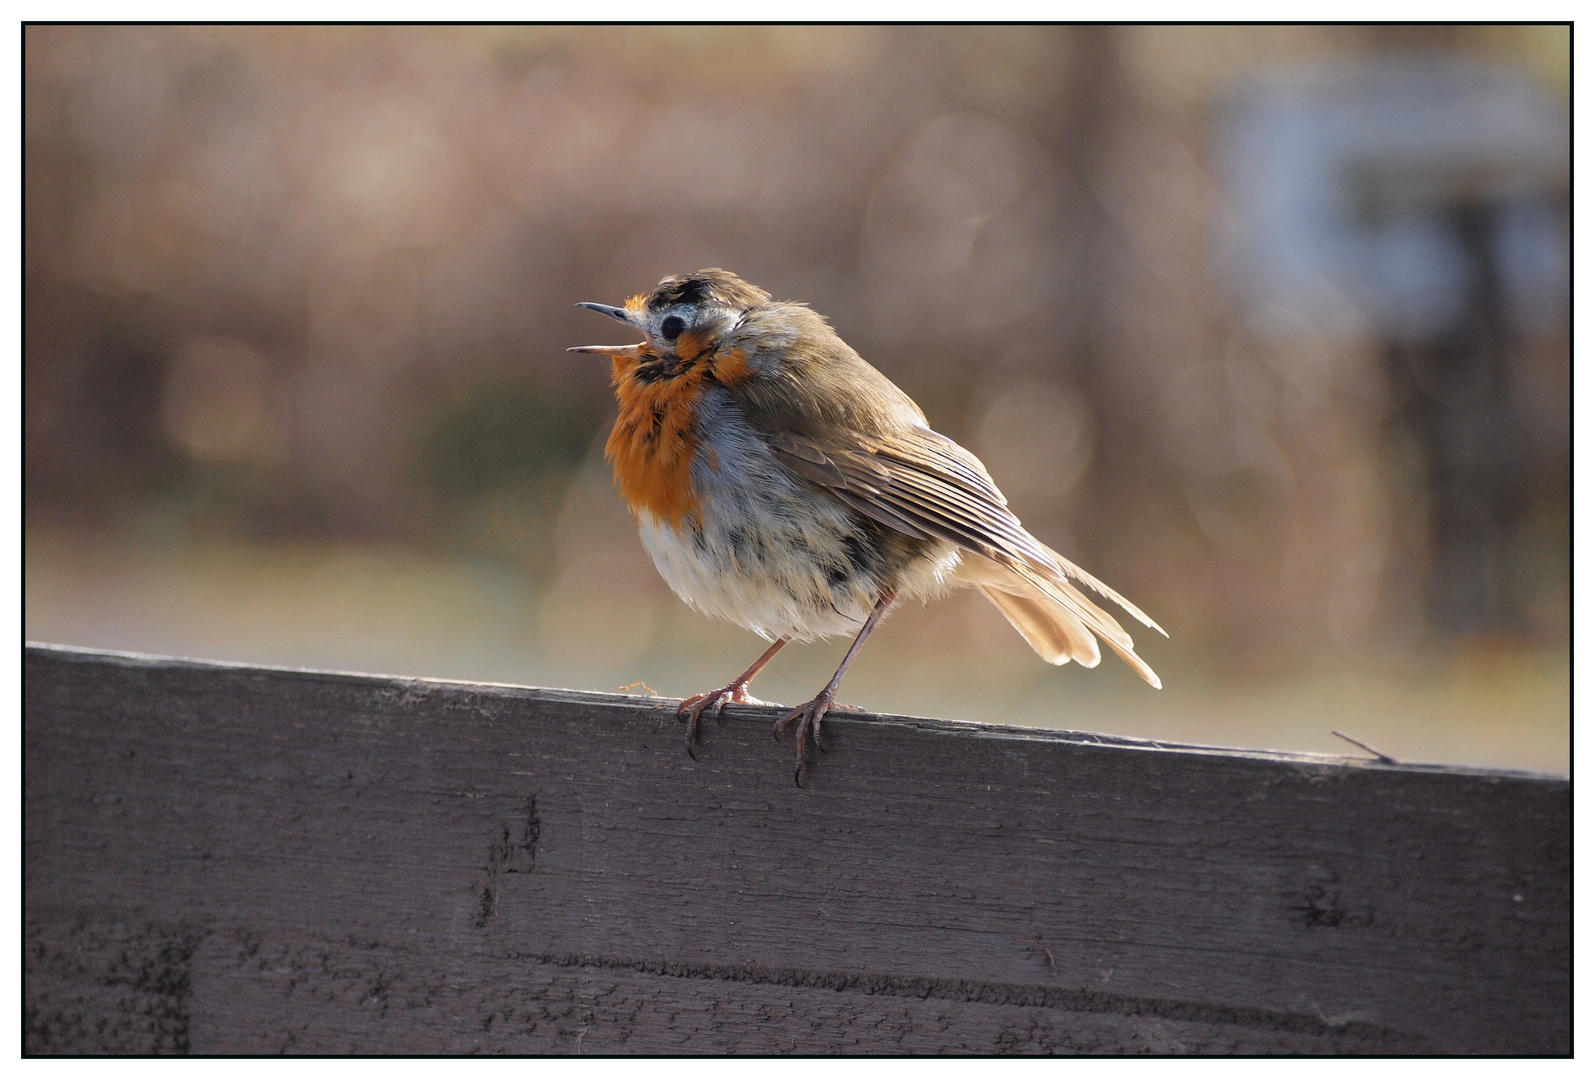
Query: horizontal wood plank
point(222, 858)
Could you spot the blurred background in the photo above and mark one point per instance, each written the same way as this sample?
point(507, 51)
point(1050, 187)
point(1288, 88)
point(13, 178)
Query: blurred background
point(1266, 327)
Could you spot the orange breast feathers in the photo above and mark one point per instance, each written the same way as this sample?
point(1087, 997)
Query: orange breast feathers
point(655, 436)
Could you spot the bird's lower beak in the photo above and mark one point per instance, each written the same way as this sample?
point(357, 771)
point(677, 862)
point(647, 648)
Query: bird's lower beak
point(634, 351)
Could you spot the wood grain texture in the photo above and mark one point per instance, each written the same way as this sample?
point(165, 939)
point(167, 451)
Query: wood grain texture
point(234, 859)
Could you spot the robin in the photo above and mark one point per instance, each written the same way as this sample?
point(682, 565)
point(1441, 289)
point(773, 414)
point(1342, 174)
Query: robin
point(781, 482)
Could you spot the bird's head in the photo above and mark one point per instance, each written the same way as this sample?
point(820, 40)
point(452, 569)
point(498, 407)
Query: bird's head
point(683, 320)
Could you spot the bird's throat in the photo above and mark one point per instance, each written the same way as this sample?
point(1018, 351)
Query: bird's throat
point(654, 440)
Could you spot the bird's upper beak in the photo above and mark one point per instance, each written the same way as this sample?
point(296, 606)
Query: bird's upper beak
point(620, 314)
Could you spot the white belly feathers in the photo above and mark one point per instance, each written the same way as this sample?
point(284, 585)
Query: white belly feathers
point(770, 553)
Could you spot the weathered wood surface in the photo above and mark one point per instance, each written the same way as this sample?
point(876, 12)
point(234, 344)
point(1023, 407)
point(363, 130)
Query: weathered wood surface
point(234, 859)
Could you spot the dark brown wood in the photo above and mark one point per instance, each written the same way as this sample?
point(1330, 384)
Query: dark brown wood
point(235, 859)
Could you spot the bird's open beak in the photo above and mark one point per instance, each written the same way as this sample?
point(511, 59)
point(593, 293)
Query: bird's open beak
point(617, 313)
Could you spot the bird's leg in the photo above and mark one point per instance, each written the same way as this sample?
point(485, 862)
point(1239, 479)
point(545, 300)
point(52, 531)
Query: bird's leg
point(808, 716)
point(737, 690)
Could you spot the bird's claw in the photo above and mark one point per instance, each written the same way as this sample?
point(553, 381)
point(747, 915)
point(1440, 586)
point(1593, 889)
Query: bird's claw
point(808, 718)
point(692, 709)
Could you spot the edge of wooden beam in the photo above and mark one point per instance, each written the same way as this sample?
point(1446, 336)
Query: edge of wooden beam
point(934, 725)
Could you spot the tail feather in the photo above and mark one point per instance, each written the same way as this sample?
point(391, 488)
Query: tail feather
point(1100, 622)
point(1053, 616)
point(1056, 636)
point(1080, 575)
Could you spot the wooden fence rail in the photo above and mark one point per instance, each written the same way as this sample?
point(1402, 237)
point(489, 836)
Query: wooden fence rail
point(222, 859)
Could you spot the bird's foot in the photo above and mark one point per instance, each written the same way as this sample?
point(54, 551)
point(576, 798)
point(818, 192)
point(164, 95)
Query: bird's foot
point(693, 708)
point(808, 718)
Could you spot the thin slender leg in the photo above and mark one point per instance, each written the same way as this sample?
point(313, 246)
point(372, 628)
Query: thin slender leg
point(737, 691)
point(808, 716)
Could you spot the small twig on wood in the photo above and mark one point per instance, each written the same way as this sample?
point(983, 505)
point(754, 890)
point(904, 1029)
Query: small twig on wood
point(644, 685)
point(1380, 754)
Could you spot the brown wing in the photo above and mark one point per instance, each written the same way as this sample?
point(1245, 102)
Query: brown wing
point(925, 485)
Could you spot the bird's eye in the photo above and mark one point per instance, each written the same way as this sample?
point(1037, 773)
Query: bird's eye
point(671, 328)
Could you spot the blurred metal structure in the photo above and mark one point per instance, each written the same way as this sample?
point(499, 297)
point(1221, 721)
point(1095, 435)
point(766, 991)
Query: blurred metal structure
point(1424, 204)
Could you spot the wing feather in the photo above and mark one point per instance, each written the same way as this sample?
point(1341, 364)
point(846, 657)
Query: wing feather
point(923, 484)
